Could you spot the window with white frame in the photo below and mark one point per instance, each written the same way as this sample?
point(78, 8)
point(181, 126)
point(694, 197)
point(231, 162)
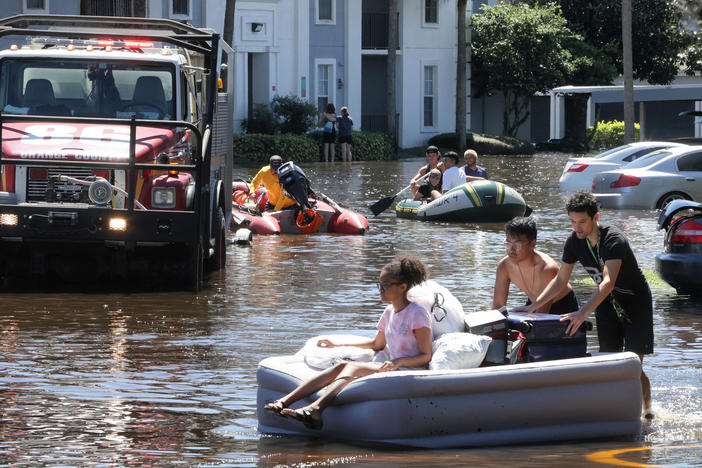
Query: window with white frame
point(35, 6)
point(325, 84)
point(180, 9)
point(429, 101)
point(431, 12)
point(326, 11)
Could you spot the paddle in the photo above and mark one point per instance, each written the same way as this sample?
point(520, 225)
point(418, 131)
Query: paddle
point(384, 203)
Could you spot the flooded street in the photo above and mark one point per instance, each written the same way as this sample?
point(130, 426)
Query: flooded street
point(161, 379)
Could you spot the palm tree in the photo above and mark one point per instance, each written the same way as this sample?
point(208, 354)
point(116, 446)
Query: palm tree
point(392, 60)
point(461, 77)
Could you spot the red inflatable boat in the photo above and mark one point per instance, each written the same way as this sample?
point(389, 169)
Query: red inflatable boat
point(319, 215)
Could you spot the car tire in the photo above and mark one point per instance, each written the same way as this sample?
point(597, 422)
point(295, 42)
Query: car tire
point(669, 197)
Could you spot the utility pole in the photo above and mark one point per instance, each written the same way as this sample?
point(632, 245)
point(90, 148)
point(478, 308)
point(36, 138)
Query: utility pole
point(628, 72)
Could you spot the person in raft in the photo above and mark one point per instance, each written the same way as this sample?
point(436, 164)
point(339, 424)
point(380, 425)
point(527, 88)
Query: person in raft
point(268, 177)
point(405, 327)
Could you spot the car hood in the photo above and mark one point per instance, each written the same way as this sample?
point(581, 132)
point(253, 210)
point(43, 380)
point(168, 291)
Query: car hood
point(666, 216)
point(81, 142)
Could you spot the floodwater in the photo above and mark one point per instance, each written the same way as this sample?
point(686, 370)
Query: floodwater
point(162, 379)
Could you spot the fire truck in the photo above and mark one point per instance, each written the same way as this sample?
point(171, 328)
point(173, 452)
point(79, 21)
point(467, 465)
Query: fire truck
point(116, 159)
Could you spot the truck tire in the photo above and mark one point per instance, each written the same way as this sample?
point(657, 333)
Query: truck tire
point(218, 260)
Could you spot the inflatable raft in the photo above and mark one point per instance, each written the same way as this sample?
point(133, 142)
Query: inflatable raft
point(569, 399)
point(313, 213)
point(334, 219)
point(479, 201)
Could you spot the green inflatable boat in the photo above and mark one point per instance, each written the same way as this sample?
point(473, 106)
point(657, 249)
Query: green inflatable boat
point(483, 201)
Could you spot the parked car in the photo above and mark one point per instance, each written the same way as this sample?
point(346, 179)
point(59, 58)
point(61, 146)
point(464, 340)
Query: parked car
point(681, 263)
point(652, 181)
point(578, 172)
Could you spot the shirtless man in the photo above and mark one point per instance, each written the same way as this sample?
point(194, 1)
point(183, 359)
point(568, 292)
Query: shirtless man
point(530, 270)
point(433, 160)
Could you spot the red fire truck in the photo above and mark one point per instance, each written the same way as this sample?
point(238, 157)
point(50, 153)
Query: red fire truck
point(116, 155)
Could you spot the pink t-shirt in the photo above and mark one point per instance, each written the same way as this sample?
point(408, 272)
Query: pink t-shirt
point(399, 326)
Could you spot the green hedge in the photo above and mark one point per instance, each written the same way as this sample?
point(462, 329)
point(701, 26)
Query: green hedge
point(610, 134)
point(483, 143)
point(305, 148)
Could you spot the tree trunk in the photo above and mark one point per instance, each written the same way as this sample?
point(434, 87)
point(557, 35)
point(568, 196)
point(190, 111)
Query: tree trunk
point(461, 78)
point(228, 36)
point(391, 78)
point(627, 63)
point(228, 33)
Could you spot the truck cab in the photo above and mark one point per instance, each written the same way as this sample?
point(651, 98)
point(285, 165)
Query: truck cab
point(116, 148)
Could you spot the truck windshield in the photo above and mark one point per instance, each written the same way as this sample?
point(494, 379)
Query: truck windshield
point(87, 88)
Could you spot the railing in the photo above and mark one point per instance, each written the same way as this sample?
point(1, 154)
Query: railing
point(374, 32)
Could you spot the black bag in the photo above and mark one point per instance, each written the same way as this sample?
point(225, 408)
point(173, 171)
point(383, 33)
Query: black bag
point(494, 324)
point(542, 337)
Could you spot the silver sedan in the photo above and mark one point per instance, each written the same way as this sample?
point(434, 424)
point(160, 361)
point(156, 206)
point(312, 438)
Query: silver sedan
point(653, 180)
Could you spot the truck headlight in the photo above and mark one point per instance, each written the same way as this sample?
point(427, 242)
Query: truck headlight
point(163, 197)
point(8, 219)
point(117, 224)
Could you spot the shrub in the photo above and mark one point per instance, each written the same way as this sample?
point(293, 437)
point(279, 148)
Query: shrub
point(610, 134)
point(261, 120)
point(304, 148)
point(367, 146)
point(483, 144)
point(294, 114)
point(259, 148)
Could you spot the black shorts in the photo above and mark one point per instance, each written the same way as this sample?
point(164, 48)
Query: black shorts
point(329, 137)
point(564, 305)
point(346, 139)
point(633, 331)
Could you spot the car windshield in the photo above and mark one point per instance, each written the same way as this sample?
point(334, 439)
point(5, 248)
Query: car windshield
point(612, 151)
point(87, 88)
point(647, 160)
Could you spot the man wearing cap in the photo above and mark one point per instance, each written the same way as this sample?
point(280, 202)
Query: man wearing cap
point(430, 188)
point(268, 177)
point(433, 157)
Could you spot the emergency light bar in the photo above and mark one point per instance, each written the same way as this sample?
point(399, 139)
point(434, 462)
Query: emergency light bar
point(72, 43)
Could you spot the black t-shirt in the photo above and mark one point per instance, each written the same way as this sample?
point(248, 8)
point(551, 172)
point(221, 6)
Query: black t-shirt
point(426, 188)
point(612, 246)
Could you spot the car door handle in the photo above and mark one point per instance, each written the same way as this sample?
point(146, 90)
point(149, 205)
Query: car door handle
point(690, 179)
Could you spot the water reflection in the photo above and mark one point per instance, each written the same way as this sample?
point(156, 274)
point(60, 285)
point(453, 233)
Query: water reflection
point(165, 378)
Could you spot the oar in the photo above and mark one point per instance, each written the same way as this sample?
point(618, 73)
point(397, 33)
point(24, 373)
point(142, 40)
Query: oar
point(384, 203)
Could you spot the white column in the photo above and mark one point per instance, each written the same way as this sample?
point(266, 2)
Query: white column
point(591, 114)
point(240, 88)
point(698, 120)
point(557, 127)
point(352, 59)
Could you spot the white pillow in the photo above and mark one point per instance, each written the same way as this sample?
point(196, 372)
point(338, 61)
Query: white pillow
point(445, 310)
point(458, 351)
point(323, 358)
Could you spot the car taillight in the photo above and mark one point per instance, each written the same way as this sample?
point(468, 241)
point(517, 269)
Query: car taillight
point(689, 232)
point(577, 167)
point(625, 180)
point(37, 174)
point(104, 174)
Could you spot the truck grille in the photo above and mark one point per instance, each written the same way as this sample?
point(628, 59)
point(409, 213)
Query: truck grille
point(36, 188)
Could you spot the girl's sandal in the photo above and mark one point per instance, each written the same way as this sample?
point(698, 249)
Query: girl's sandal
point(275, 407)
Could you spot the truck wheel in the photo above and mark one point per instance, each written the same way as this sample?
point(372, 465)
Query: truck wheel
point(196, 268)
point(218, 260)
